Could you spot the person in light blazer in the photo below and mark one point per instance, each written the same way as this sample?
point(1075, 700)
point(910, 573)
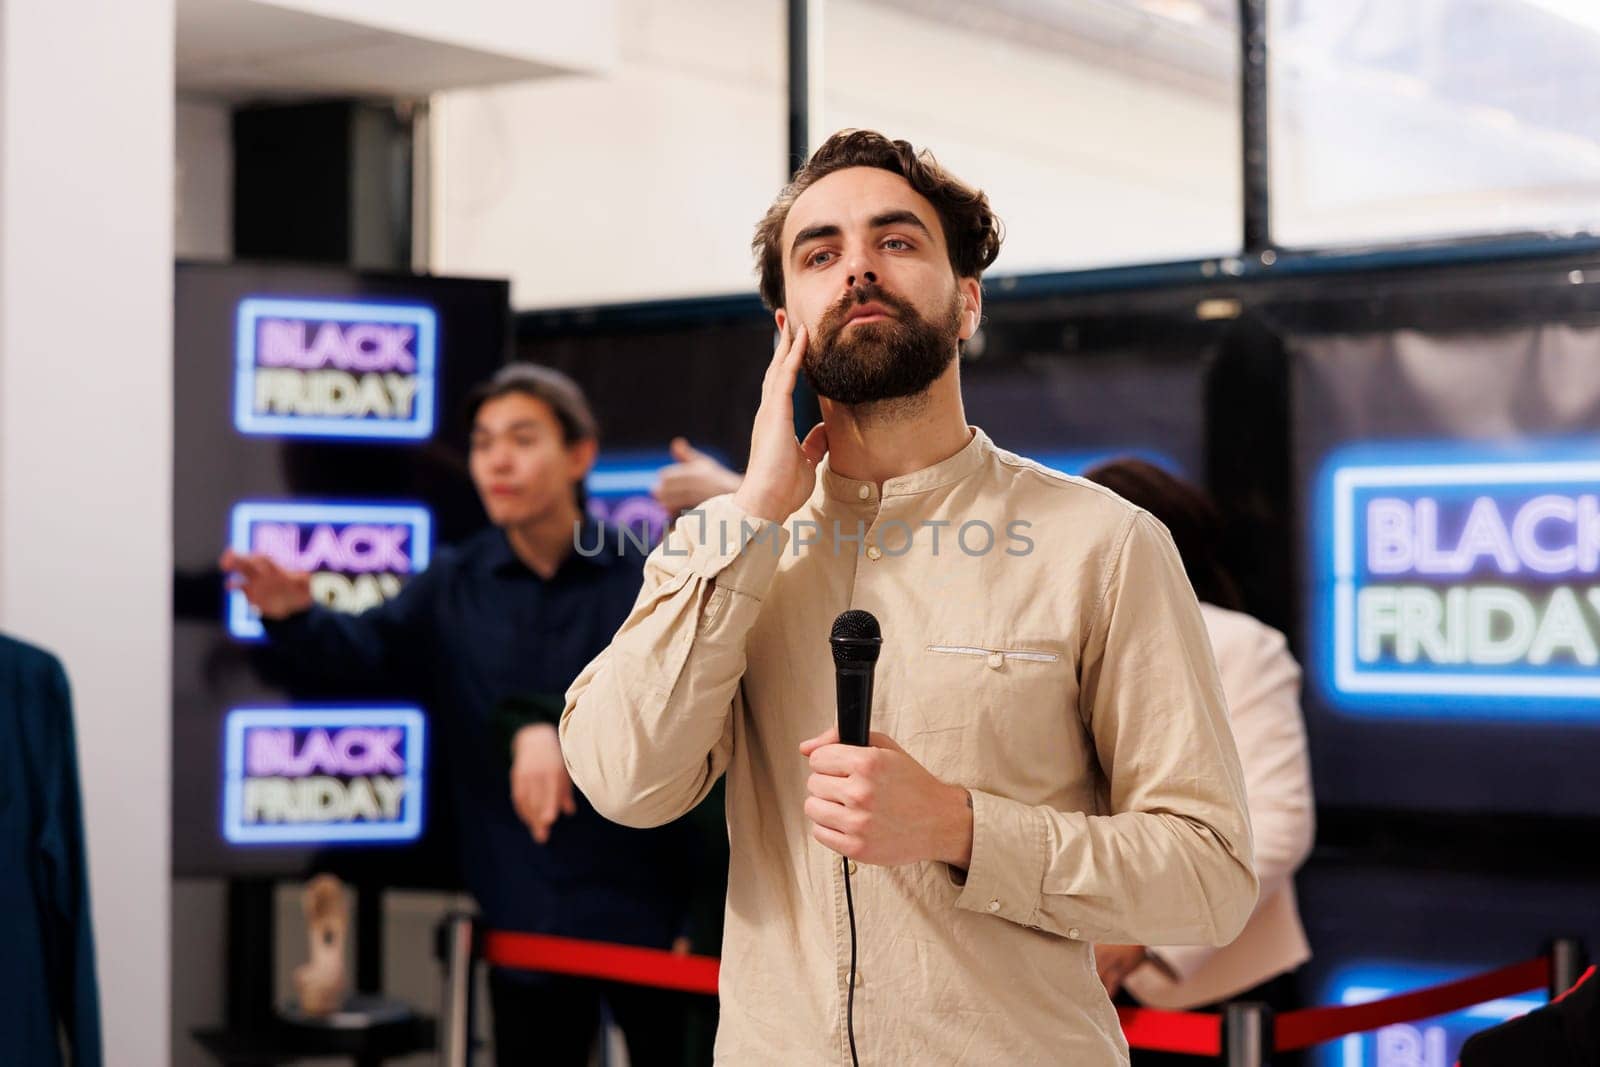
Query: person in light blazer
point(1261, 682)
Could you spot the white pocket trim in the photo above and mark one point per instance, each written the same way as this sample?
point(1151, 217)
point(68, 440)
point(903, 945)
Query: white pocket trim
point(1004, 653)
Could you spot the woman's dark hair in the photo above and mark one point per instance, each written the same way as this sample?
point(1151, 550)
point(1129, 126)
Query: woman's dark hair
point(563, 396)
point(972, 232)
point(1188, 514)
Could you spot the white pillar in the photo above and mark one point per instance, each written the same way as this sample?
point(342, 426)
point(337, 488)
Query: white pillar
point(86, 231)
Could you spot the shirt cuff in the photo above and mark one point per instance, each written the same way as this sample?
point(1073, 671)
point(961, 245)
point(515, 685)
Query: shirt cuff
point(1181, 961)
point(739, 550)
point(1006, 875)
point(512, 713)
point(289, 623)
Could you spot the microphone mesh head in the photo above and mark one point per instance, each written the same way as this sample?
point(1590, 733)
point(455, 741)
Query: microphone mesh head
point(855, 636)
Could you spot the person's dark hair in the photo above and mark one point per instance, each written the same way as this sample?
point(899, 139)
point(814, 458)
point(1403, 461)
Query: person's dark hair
point(563, 395)
point(1188, 514)
point(972, 232)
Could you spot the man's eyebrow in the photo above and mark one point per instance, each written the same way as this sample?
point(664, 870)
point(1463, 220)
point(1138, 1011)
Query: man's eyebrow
point(812, 233)
point(882, 220)
point(900, 217)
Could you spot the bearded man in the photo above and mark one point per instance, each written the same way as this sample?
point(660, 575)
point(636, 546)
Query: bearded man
point(1053, 766)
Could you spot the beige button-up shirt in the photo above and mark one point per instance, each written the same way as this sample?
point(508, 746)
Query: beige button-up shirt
point(1042, 648)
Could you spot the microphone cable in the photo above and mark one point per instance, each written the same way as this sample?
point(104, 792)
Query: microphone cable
point(850, 993)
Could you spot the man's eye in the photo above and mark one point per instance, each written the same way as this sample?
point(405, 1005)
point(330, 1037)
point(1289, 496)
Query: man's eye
point(816, 259)
point(898, 244)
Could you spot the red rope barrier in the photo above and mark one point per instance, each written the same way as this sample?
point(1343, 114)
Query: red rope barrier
point(595, 959)
point(1194, 1033)
point(1300, 1029)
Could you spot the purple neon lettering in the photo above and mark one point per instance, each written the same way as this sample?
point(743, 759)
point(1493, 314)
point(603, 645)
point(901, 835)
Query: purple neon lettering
point(354, 750)
point(266, 750)
point(1549, 534)
point(356, 548)
point(359, 346)
point(640, 512)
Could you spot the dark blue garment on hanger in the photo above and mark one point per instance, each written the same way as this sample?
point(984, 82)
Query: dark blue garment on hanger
point(49, 1003)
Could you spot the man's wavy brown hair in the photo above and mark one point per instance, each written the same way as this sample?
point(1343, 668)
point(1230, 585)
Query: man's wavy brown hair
point(972, 231)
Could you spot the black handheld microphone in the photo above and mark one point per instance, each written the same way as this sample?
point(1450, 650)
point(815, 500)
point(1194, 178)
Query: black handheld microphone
point(856, 642)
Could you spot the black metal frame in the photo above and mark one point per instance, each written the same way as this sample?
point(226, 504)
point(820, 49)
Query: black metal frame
point(1229, 276)
point(799, 146)
point(1254, 131)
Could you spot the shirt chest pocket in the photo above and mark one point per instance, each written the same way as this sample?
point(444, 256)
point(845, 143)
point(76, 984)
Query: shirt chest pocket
point(982, 710)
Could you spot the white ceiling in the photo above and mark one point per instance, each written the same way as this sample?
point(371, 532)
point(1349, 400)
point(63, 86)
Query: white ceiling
point(242, 49)
point(1190, 43)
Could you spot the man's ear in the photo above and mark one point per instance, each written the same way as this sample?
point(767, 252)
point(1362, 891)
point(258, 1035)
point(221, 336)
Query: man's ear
point(971, 306)
point(781, 317)
point(580, 458)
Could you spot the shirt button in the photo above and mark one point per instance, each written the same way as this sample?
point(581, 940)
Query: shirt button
point(994, 905)
point(859, 980)
point(1073, 933)
point(850, 865)
point(874, 552)
point(996, 661)
point(864, 492)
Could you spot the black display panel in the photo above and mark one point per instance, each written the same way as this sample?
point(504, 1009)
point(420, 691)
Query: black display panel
point(318, 420)
point(1449, 482)
point(1069, 411)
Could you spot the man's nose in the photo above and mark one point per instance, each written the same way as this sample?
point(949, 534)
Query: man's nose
point(861, 277)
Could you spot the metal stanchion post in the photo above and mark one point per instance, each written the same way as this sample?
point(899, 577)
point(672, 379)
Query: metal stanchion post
point(455, 1009)
point(1569, 958)
point(1247, 1035)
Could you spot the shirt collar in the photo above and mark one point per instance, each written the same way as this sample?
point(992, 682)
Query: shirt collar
point(952, 469)
point(499, 557)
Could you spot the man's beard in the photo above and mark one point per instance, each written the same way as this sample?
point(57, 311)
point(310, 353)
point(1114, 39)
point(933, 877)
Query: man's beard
point(896, 357)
